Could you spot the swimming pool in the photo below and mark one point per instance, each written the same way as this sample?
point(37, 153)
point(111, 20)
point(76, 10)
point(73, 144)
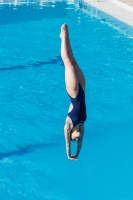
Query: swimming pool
point(34, 104)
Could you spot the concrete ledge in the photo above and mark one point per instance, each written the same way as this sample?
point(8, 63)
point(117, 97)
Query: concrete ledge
point(114, 8)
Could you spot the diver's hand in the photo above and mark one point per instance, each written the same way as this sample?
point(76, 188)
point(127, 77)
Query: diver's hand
point(72, 157)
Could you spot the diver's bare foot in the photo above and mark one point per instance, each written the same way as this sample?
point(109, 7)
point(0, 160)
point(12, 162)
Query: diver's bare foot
point(64, 31)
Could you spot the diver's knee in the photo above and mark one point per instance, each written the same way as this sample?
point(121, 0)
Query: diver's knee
point(69, 62)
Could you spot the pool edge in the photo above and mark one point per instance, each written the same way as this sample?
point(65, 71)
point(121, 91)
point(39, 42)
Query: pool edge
point(117, 9)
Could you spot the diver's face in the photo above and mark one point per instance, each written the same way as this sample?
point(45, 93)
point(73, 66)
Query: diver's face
point(75, 135)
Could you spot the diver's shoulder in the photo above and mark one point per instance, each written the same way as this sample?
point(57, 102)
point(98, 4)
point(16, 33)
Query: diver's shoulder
point(68, 123)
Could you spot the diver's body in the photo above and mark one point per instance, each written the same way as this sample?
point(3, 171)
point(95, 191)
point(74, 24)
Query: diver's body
point(75, 86)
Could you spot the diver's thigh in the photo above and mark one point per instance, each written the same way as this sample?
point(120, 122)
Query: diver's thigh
point(71, 79)
point(80, 75)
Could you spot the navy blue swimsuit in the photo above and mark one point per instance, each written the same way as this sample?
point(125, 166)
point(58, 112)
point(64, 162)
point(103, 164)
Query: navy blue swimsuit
point(78, 113)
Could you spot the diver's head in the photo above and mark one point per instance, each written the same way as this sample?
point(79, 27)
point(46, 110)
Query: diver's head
point(75, 134)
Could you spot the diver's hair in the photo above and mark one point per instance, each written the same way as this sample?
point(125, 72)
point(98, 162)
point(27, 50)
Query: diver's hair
point(71, 136)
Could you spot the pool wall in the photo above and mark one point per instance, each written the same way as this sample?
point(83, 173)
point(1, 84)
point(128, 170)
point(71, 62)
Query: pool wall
point(114, 8)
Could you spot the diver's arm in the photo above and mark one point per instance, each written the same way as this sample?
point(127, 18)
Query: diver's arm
point(67, 130)
point(79, 142)
point(67, 139)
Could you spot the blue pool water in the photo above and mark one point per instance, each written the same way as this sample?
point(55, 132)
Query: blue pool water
point(34, 103)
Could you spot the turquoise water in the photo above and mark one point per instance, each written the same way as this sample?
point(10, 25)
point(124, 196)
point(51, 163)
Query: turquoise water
point(34, 103)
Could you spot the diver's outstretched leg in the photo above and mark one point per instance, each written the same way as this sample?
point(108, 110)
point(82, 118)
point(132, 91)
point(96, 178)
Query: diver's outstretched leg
point(70, 72)
point(78, 71)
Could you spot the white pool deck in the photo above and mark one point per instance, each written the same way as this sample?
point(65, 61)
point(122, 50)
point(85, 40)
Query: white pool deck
point(122, 9)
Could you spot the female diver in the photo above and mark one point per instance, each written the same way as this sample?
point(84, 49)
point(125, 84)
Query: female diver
point(75, 86)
